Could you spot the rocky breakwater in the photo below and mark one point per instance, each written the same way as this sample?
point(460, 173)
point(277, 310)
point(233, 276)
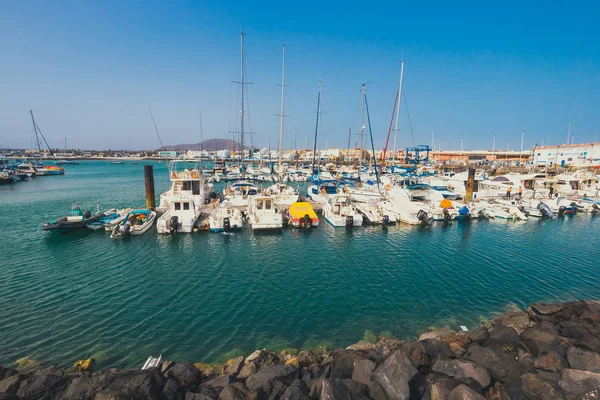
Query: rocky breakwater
point(550, 351)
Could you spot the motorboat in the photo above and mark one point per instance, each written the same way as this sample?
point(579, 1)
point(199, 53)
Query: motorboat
point(78, 219)
point(225, 218)
point(302, 215)
point(136, 222)
point(321, 190)
point(284, 194)
point(400, 204)
point(181, 217)
point(186, 182)
point(240, 193)
point(339, 212)
point(107, 219)
point(374, 213)
point(263, 213)
point(6, 177)
point(48, 170)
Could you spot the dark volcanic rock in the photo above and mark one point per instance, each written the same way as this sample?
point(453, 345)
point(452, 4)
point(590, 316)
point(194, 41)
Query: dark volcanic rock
point(463, 369)
point(391, 379)
point(479, 334)
point(439, 386)
point(266, 377)
point(577, 384)
point(343, 367)
point(498, 392)
point(46, 383)
point(539, 342)
point(436, 348)
point(502, 364)
point(263, 358)
point(220, 381)
point(504, 334)
point(551, 361)
point(463, 392)
point(296, 391)
point(519, 320)
point(388, 345)
point(583, 359)
point(236, 365)
point(236, 391)
point(363, 370)
point(186, 373)
point(135, 384)
point(307, 358)
point(537, 388)
point(7, 372)
point(546, 309)
point(416, 352)
point(9, 385)
point(248, 369)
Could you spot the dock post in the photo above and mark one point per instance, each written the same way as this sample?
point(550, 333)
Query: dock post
point(470, 185)
point(149, 178)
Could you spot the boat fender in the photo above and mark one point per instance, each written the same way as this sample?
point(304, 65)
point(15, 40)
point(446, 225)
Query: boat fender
point(174, 224)
point(450, 187)
point(307, 221)
point(386, 219)
point(349, 221)
point(226, 224)
point(561, 210)
point(194, 174)
point(387, 187)
point(595, 208)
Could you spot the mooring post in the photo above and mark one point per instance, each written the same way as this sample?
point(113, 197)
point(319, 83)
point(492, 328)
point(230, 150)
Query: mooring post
point(149, 178)
point(470, 185)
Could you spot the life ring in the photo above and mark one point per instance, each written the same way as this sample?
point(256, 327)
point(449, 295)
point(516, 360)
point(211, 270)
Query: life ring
point(194, 174)
point(174, 175)
point(450, 187)
point(387, 187)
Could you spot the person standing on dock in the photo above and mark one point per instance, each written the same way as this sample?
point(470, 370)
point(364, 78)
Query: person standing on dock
point(520, 192)
point(508, 191)
point(551, 191)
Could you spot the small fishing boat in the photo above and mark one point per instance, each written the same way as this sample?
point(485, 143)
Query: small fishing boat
point(136, 222)
point(240, 193)
point(106, 218)
point(339, 211)
point(78, 219)
point(117, 162)
point(181, 217)
point(7, 177)
point(263, 213)
point(302, 215)
point(225, 218)
point(48, 170)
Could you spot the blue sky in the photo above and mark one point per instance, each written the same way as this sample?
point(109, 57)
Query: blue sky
point(90, 70)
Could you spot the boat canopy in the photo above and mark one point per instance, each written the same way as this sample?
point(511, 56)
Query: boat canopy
point(419, 186)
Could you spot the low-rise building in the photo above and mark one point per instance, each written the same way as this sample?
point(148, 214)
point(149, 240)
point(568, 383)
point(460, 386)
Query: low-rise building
point(578, 155)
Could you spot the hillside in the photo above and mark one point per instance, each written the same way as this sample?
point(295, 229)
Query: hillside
point(209, 145)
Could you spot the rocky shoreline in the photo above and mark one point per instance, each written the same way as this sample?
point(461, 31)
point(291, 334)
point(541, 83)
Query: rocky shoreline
point(548, 352)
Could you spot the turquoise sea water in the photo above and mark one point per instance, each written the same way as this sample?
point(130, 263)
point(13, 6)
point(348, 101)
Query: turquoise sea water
point(204, 297)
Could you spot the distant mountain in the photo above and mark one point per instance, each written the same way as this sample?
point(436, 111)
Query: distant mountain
point(209, 145)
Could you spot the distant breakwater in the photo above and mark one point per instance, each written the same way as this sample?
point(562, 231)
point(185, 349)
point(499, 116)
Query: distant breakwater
point(549, 351)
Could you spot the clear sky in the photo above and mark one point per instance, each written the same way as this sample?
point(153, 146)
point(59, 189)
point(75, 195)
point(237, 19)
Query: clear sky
point(91, 69)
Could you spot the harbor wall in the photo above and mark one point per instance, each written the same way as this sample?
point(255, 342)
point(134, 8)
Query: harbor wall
point(549, 351)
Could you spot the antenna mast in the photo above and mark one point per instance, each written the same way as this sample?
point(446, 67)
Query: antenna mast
point(201, 133)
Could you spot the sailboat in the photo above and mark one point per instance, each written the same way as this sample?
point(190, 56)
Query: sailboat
point(283, 194)
point(44, 170)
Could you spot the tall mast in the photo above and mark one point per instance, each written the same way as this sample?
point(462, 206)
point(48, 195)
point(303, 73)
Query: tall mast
point(398, 109)
point(37, 137)
point(281, 110)
point(242, 98)
point(569, 133)
point(315, 171)
point(362, 120)
point(201, 134)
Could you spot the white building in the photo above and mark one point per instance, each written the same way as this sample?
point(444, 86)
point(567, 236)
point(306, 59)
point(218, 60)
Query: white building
point(223, 153)
point(579, 155)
